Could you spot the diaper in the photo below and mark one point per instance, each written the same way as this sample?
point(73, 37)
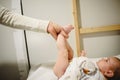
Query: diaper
point(88, 67)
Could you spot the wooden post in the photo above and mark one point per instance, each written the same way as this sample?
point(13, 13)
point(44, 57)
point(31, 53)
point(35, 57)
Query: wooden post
point(76, 24)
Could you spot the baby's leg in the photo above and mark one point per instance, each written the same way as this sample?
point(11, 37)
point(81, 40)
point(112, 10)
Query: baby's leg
point(68, 29)
point(70, 51)
point(62, 60)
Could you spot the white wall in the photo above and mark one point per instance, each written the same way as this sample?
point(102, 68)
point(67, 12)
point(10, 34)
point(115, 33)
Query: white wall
point(95, 13)
point(13, 61)
point(8, 60)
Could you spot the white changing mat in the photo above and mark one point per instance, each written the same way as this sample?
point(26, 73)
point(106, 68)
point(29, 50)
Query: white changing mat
point(41, 69)
point(42, 66)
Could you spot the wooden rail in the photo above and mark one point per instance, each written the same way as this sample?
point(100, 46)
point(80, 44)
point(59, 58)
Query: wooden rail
point(99, 29)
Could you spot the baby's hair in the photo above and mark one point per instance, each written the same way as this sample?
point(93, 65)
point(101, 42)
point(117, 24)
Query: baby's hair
point(117, 72)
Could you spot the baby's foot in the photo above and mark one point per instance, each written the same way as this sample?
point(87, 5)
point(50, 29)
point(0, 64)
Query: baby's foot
point(68, 28)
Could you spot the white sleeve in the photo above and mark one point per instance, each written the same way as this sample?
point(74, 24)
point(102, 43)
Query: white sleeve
point(15, 20)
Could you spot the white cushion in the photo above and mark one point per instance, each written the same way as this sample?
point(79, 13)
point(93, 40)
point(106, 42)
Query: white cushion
point(118, 56)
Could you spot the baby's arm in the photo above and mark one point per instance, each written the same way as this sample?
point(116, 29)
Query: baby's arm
point(62, 60)
point(68, 29)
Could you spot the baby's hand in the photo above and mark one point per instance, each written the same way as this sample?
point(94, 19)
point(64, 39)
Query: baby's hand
point(83, 53)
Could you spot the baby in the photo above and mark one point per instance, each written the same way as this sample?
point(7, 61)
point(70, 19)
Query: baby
point(83, 68)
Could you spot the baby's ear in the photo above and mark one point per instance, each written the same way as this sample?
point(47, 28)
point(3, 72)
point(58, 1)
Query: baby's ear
point(109, 73)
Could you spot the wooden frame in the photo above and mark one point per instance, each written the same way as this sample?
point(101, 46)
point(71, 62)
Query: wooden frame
point(76, 24)
point(79, 30)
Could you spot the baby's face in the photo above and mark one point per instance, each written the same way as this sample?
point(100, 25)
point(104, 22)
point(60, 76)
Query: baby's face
point(106, 64)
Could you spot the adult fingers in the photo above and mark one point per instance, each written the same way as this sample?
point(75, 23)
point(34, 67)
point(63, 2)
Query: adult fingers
point(54, 34)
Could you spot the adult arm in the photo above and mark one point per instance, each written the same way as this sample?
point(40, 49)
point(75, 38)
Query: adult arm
point(15, 20)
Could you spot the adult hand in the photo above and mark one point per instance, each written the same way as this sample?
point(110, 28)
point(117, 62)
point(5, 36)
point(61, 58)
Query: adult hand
point(55, 29)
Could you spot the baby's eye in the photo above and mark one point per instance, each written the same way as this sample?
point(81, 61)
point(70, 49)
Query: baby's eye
point(106, 60)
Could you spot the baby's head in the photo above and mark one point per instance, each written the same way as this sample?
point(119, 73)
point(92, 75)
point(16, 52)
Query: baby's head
point(110, 67)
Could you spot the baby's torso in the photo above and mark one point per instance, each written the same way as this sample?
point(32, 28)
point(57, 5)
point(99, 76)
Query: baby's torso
point(82, 68)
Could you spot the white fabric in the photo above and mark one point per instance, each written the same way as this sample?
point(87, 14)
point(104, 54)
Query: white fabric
point(75, 70)
point(43, 71)
point(22, 22)
point(41, 74)
point(118, 56)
